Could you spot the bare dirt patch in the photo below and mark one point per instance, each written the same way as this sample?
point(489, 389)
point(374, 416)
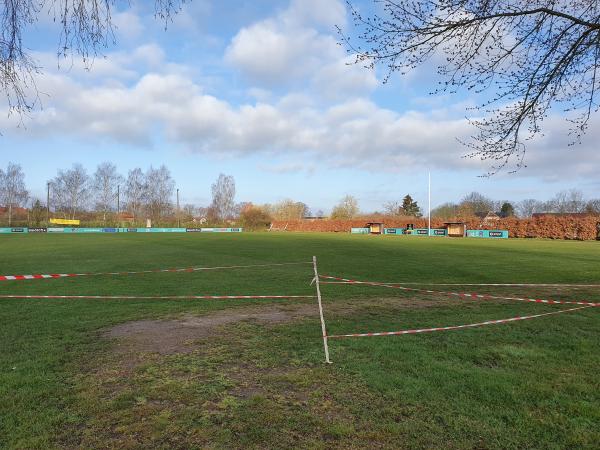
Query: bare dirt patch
point(173, 336)
point(176, 336)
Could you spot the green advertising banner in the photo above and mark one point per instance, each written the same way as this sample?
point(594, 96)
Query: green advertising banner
point(488, 234)
point(360, 230)
point(15, 230)
point(393, 230)
point(75, 230)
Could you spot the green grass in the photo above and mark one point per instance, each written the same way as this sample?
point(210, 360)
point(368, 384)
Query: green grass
point(530, 384)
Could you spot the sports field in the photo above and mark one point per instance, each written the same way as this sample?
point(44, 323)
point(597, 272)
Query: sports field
point(239, 373)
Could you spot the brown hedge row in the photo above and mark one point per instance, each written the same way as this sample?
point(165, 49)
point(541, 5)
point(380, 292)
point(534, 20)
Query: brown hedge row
point(580, 228)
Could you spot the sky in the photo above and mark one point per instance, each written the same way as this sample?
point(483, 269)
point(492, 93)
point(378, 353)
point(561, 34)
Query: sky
point(263, 90)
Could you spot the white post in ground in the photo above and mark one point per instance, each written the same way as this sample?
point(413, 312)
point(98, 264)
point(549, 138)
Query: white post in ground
point(429, 208)
point(323, 329)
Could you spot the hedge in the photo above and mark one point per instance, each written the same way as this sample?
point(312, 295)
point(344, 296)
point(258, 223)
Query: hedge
point(565, 227)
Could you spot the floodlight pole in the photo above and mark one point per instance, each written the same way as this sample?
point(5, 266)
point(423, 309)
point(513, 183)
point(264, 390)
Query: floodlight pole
point(48, 203)
point(178, 218)
point(323, 329)
point(429, 207)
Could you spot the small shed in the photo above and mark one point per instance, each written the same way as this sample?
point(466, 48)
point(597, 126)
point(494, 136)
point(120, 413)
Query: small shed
point(375, 227)
point(456, 229)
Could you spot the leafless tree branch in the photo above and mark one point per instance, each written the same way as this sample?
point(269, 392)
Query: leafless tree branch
point(525, 56)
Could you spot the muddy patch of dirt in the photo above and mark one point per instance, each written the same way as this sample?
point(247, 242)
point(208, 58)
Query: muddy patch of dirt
point(176, 336)
point(173, 336)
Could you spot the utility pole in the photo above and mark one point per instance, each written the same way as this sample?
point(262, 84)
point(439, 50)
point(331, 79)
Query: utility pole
point(178, 222)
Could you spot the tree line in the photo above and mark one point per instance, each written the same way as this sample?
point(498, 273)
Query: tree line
point(478, 205)
point(108, 197)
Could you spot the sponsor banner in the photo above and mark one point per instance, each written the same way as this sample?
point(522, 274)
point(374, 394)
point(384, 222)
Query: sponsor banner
point(64, 222)
point(83, 230)
point(393, 230)
point(160, 230)
point(214, 230)
point(117, 230)
point(360, 230)
point(13, 230)
point(417, 231)
point(493, 234)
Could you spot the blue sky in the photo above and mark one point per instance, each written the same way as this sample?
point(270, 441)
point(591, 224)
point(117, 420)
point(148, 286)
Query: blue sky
point(262, 91)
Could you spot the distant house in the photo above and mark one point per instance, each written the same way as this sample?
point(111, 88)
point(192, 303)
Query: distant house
point(491, 218)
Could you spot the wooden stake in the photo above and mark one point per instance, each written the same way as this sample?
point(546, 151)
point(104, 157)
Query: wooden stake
point(324, 330)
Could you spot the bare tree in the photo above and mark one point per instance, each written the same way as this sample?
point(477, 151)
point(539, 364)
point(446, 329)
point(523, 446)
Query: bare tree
point(12, 188)
point(347, 208)
point(289, 210)
point(86, 27)
point(475, 204)
point(445, 211)
point(160, 187)
point(223, 197)
point(529, 55)
point(593, 206)
point(38, 212)
point(529, 206)
point(135, 191)
point(570, 201)
point(105, 185)
point(393, 208)
point(70, 190)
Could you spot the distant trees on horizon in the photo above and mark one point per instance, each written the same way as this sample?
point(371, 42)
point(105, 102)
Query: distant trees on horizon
point(106, 196)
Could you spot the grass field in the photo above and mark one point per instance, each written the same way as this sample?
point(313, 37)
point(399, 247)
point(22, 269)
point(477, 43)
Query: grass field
point(250, 373)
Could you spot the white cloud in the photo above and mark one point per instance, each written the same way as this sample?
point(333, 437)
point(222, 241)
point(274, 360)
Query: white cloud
point(355, 133)
point(268, 54)
point(128, 25)
point(298, 47)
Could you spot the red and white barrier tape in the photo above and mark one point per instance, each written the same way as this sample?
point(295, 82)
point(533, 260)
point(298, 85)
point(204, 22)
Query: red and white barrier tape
point(455, 327)
point(91, 274)
point(154, 297)
point(460, 294)
point(557, 285)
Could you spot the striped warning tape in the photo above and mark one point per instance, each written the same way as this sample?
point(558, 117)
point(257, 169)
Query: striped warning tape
point(558, 285)
point(154, 297)
point(460, 294)
point(454, 327)
point(89, 274)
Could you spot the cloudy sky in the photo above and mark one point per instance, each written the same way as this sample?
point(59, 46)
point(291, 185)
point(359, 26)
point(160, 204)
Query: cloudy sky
point(263, 91)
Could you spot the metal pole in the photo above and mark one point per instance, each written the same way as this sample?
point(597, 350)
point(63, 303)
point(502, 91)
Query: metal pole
point(321, 311)
point(429, 208)
point(48, 203)
point(178, 224)
point(118, 205)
